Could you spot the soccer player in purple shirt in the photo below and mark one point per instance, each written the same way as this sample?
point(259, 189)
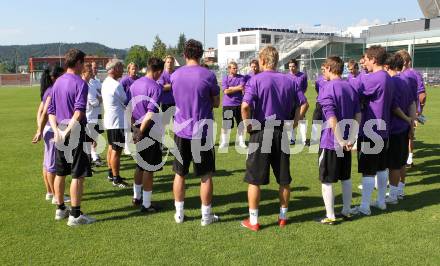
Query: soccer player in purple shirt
point(67, 111)
point(402, 127)
point(317, 113)
point(126, 82)
point(148, 159)
point(415, 81)
point(196, 92)
point(339, 102)
point(372, 143)
point(44, 131)
point(301, 79)
point(233, 86)
point(272, 98)
point(167, 98)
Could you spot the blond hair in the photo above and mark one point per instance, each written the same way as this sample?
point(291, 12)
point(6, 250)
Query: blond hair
point(269, 55)
point(405, 55)
point(169, 57)
point(232, 63)
point(130, 65)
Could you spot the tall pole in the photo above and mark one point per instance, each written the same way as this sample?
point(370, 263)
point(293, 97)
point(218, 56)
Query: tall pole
point(204, 25)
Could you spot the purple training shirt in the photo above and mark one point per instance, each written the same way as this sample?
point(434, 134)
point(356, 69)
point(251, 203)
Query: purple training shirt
point(142, 88)
point(338, 99)
point(127, 81)
point(415, 80)
point(69, 94)
point(272, 93)
point(167, 96)
point(403, 97)
point(235, 98)
point(300, 79)
point(193, 89)
point(377, 92)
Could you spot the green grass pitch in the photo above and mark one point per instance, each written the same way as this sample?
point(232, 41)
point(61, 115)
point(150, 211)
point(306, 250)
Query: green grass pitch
point(408, 233)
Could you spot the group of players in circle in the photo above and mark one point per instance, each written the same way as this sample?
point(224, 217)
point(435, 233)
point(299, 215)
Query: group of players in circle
point(385, 91)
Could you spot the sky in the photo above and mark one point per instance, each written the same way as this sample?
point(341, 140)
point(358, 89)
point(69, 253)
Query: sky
point(121, 24)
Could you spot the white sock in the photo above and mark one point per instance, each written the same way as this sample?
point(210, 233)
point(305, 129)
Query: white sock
point(146, 201)
point(137, 190)
point(329, 200)
point(179, 208)
point(367, 190)
point(253, 216)
point(283, 213)
point(94, 155)
point(410, 158)
point(315, 133)
point(206, 211)
point(223, 137)
point(241, 138)
point(382, 182)
point(346, 195)
point(394, 192)
point(303, 131)
point(401, 187)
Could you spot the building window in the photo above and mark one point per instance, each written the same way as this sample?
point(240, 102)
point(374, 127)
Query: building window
point(265, 38)
point(248, 39)
point(227, 40)
point(278, 38)
point(247, 54)
point(234, 40)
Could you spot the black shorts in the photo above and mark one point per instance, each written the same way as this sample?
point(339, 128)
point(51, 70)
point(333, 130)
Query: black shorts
point(79, 165)
point(370, 164)
point(317, 114)
point(229, 114)
point(164, 108)
point(150, 158)
point(115, 136)
point(398, 150)
point(333, 168)
point(258, 163)
point(204, 166)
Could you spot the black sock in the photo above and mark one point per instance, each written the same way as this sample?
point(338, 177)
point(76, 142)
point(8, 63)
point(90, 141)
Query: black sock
point(76, 211)
point(117, 178)
point(61, 206)
point(110, 173)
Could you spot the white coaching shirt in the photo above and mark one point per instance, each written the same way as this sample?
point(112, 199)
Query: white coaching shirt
point(113, 100)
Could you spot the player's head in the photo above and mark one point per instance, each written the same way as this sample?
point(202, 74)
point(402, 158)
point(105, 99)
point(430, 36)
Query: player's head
point(333, 66)
point(94, 68)
point(375, 56)
point(406, 57)
point(322, 68)
point(193, 50)
point(293, 65)
point(87, 72)
point(353, 67)
point(74, 59)
point(49, 77)
point(268, 58)
point(115, 68)
point(132, 69)
point(169, 62)
point(255, 67)
point(394, 63)
point(232, 68)
point(155, 67)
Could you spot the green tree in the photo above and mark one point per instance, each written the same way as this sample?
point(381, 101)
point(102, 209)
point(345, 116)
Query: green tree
point(181, 44)
point(4, 68)
point(159, 48)
point(139, 55)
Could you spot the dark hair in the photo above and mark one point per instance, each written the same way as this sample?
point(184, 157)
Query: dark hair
point(47, 76)
point(193, 49)
point(155, 64)
point(394, 61)
point(335, 64)
point(73, 56)
point(353, 63)
point(293, 61)
point(377, 52)
point(254, 61)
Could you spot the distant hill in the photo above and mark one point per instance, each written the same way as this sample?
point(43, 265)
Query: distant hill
point(23, 52)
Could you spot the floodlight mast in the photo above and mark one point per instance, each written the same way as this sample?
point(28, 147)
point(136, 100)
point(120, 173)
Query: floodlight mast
point(430, 8)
